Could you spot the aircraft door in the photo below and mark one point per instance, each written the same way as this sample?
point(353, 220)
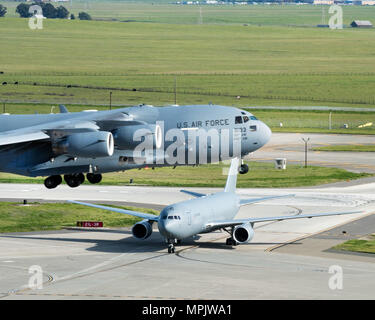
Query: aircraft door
point(188, 215)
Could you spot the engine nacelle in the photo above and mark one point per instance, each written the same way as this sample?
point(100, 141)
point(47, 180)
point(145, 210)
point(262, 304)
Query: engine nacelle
point(142, 230)
point(243, 233)
point(128, 137)
point(94, 144)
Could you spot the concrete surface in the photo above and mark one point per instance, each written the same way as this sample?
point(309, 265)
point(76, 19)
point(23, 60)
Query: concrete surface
point(110, 264)
point(291, 147)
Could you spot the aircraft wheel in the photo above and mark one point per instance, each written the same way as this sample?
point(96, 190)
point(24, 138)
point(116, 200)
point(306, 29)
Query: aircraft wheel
point(81, 178)
point(244, 168)
point(94, 178)
point(171, 248)
point(52, 182)
point(230, 242)
point(72, 181)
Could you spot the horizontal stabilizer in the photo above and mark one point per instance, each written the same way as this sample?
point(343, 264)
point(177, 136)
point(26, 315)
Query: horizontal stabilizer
point(244, 202)
point(194, 194)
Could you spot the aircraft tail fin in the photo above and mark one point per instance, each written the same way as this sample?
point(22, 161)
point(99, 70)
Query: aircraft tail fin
point(230, 186)
point(63, 109)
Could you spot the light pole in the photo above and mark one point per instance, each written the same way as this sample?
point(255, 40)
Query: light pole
point(305, 141)
point(110, 100)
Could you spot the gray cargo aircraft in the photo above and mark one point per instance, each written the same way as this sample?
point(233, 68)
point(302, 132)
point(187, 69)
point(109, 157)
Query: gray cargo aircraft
point(205, 214)
point(94, 142)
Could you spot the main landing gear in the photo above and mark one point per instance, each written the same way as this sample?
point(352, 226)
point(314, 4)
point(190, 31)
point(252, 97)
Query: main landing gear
point(230, 241)
point(72, 180)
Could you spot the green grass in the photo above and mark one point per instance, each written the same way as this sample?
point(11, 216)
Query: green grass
point(261, 175)
point(162, 11)
point(268, 65)
point(351, 148)
point(366, 246)
point(55, 216)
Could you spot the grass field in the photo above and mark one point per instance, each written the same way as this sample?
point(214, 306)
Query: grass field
point(265, 65)
point(55, 216)
point(161, 11)
point(366, 246)
point(261, 175)
point(278, 58)
point(351, 148)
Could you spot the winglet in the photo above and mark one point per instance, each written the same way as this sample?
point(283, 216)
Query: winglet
point(232, 176)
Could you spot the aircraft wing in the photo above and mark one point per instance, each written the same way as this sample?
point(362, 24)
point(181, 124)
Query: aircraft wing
point(244, 202)
point(18, 137)
point(232, 223)
point(194, 194)
point(129, 212)
point(57, 129)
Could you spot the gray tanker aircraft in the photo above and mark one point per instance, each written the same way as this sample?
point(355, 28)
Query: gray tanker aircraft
point(205, 213)
point(94, 142)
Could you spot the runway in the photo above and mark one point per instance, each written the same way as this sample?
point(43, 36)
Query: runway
point(291, 147)
point(111, 264)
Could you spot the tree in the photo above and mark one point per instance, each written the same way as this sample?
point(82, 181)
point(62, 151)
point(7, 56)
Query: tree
point(49, 11)
point(23, 10)
point(3, 10)
point(62, 12)
point(84, 16)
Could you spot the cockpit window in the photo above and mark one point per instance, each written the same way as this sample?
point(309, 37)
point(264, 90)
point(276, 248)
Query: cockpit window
point(170, 217)
point(253, 118)
point(238, 120)
point(245, 119)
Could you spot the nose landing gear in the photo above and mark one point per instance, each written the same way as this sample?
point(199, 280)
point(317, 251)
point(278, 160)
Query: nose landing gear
point(171, 244)
point(244, 168)
point(171, 248)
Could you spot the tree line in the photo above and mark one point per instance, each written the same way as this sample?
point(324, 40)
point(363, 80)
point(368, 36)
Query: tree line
point(48, 10)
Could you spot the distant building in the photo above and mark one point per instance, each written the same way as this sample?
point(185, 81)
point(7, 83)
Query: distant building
point(329, 2)
point(368, 3)
point(361, 24)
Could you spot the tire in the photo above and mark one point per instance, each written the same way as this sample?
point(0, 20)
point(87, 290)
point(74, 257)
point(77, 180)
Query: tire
point(244, 169)
point(72, 181)
point(94, 178)
point(52, 182)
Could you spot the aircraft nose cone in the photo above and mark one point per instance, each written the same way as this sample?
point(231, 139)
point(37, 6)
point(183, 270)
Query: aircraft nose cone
point(265, 134)
point(167, 228)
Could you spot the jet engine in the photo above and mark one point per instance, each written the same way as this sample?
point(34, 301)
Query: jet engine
point(243, 233)
point(86, 145)
point(128, 137)
point(142, 230)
